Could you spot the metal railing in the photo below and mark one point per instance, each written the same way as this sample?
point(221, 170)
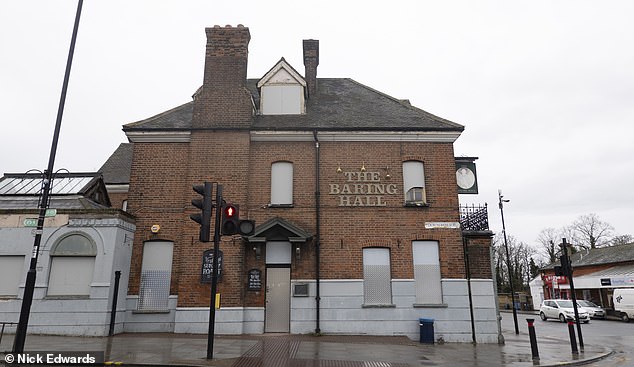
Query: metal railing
point(474, 217)
point(3, 325)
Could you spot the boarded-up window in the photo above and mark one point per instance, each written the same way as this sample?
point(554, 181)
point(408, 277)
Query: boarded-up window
point(377, 280)
point(156, 273)
point(282, 99)
point(282, 183)
point(72, 266)
point(427, 272)
point(12, 272)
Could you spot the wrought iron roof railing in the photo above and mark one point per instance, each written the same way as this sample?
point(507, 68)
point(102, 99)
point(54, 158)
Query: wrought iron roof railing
point(474, 217)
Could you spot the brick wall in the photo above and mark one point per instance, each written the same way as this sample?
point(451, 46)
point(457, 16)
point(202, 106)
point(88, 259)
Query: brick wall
point(479, 252)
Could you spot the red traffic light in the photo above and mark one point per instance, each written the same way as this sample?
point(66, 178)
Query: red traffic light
point(230, 211)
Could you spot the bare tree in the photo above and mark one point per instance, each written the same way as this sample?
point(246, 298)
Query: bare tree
point(549, 238)
point(622, 239)
point(592, 232)
point(519, 257)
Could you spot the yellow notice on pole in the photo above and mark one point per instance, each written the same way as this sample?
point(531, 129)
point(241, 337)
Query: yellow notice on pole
point(217, 300)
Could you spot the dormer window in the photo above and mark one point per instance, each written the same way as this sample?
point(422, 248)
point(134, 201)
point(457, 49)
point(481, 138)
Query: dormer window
point(282, 91)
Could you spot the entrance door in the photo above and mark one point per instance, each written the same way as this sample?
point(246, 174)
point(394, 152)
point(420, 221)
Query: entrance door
point(278, 303)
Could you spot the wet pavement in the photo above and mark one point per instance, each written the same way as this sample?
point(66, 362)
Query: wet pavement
point(314, 351)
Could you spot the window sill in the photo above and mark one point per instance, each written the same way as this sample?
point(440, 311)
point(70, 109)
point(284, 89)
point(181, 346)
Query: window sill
point(150, 311)
point(280, 205)
point(66, 297)
point(430, 305)
point(416, 205)
point(379, 306)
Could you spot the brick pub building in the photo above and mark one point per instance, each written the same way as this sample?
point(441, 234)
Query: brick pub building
point(354, 194)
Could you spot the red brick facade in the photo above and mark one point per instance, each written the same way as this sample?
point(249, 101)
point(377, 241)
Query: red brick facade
point(220, 149)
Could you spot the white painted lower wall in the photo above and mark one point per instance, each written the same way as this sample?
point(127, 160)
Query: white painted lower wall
point(342, 312)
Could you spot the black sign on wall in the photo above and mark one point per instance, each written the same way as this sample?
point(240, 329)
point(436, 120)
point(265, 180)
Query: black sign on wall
point(466, 176)
point(208, 263)
point(255, 280)
point(606, 281)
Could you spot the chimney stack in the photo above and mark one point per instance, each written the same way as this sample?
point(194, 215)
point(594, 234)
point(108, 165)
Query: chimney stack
point(224, 100)
point(311, 60)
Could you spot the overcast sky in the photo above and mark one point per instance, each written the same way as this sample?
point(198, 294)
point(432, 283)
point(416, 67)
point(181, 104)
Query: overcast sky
point(545, 89)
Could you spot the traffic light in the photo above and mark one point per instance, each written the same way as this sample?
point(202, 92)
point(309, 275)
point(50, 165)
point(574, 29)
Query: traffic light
point(559, 271)
point(230, 219)
point(232, 224)
point(566, 267)
point(205, 205)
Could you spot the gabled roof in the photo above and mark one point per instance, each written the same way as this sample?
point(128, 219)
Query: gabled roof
point(600, 256)
point(339, 104)
point(278, 229)
point(117, 168)
point(68, 191)
point(281, 69)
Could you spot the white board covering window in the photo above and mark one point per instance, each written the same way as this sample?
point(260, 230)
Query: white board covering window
point(427, 272)
point(377, 280)
point(282, 99)
point(282, 183)
point(72, 266)
point(12, 272)
point(156, 271)
point(414, 183)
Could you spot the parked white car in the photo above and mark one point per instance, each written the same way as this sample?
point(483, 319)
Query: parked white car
point(594, 310)
point(562, 310)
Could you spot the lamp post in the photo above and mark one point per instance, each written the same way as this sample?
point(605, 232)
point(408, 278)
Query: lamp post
point(508, 260)
point(29, 283)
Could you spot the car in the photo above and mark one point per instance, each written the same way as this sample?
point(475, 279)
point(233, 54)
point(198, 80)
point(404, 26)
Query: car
point(562, 310)
point(594, 310)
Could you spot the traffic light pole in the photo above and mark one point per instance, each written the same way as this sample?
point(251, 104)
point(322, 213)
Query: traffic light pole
point(568, 268)
point(214, 274)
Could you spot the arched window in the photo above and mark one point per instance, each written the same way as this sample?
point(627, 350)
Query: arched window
point(72, 266)
point(282, 183)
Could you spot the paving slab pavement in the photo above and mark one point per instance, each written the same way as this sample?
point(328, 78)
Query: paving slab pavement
point(151, 349)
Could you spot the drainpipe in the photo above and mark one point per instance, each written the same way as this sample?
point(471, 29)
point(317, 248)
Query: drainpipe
point(317, 237)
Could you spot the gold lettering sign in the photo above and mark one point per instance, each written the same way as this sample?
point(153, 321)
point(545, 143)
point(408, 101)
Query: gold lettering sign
point(362, 189)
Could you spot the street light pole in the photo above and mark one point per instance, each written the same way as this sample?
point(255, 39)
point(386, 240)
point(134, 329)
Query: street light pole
point(508, 261)
point(29, 284)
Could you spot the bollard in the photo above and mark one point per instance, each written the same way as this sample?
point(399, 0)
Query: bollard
point(573, 339)
point(533, 337)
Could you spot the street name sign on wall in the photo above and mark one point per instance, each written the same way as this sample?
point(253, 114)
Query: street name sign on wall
point(207, 266)
point(435, 225)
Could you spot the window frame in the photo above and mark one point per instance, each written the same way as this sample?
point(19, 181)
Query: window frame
point(17, 263)
point(60, 268)
point(282, 184)
point(154, 292)
point(375, 256)
point(413, 184)
point(427, 273)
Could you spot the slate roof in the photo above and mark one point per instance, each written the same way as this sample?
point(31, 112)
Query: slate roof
point(339, 104)
point(600, 256)
point(117, 168)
